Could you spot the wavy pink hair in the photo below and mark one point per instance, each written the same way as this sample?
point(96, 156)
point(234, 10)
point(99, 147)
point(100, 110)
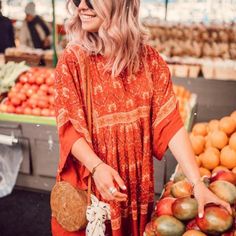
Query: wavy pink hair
point(119, 38)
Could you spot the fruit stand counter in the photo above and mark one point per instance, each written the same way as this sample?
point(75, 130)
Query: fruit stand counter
point(39, 141)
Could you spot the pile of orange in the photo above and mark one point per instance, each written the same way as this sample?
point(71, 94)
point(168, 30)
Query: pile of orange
point(214, 145)
point(183, 96)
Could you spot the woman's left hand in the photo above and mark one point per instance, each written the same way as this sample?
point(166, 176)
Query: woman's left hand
point(204, 196)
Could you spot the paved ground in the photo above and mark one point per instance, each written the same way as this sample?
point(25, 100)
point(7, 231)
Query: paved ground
point(25, 213)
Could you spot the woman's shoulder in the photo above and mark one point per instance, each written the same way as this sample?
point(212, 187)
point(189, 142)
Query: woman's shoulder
point(153, 56)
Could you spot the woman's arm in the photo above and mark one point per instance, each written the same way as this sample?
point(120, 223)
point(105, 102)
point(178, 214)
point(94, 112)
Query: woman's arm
point(104, 176)
point(181, 148)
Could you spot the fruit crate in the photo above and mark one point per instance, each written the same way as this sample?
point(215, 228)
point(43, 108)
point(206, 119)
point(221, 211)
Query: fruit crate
point(31, 60)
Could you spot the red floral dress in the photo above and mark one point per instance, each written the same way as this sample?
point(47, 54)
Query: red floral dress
point(134, 118)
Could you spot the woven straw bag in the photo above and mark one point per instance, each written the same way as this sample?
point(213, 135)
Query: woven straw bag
point(68, 204)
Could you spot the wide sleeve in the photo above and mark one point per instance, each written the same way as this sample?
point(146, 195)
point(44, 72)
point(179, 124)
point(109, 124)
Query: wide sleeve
point(166, 120)
point(69, 107)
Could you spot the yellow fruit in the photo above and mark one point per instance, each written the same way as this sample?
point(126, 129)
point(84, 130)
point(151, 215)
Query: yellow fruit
point(228, 157)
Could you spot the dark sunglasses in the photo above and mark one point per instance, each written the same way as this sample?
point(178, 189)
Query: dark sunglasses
point(88, 3)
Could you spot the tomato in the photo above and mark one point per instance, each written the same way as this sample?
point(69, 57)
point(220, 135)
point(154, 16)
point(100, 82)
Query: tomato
point(31, 79)
point(51, 100)
point(18, 86)
point(11, 109)
point(32, 102)
point(40, 80)
point(44, 87)
point(42, 103)
point(51, 90)
point(15, 89)
point(24, 79)
point(11, 95)
point(29, 92)
point(42, 93)
point(50, 80)
point(36, 111)
point(52, 113)
point(19, 110)
point(45, 112)
point(3, 108)
point(27, 111)
point(21, 96)
point(34, 87)
point(15, 101)
point(26, 87)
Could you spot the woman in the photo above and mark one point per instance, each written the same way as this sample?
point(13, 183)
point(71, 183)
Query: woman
point(135, 114)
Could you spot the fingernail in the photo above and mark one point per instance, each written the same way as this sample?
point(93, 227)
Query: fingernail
point(200, 215)
point(124, 187)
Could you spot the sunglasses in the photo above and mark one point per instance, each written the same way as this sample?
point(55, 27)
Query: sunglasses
point(88, 3)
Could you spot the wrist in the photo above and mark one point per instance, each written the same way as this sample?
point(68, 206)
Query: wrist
point(95, 167)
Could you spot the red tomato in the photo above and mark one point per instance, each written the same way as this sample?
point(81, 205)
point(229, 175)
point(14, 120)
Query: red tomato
point(44, 87)
point(42, 103)
point(51, 100)
point(52, 113)
point(51, 90)
point(36, 111)
point(26, 87)
point(40, 80)
point(32, 102)
point(19, 86)
point(21, 96)
point(19, 110)
point(24, 79)
point(42, 93)
point(15, 101)
point(3, 108)
point(50, 80)
point(14, 89)
point(29, 92)
point(11, 109)
point(34, 87)
point(45, 112)
point(11, 95)
point(31, 79)
point(27, 111)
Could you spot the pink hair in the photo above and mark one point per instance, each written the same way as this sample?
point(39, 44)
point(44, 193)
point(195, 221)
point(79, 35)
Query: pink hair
point(119, 38)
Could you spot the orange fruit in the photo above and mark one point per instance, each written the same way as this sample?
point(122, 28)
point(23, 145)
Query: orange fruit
point(200, 129)
point(210, 159)
point(204, 172)
point(220, 168)
point(218, 139)
point(198, 144)
point(228, 125)
point(194, 232)
point(232, 141)
point(228, 157)
point(233, 115)
point(213, 125)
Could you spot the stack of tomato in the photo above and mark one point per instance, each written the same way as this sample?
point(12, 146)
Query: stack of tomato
point(33, 94)
point(176, 213)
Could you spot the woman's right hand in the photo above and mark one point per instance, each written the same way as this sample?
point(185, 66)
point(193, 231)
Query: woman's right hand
point(106, 178)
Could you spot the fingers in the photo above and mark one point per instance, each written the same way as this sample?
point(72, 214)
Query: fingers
point(200, 209)
point(119, 181)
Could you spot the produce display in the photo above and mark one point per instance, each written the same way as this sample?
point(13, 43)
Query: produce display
point(32, 94)
point(176, 213)
point(189, 48)
point(214, 144)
